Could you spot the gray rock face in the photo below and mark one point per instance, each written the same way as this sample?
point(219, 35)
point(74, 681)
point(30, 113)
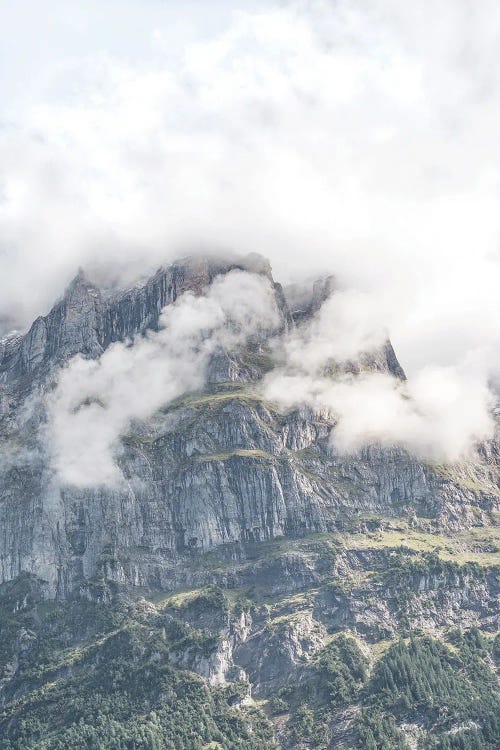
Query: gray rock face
point(272, 655)
point(218, 470)
point(87, 320)
point(429, 597)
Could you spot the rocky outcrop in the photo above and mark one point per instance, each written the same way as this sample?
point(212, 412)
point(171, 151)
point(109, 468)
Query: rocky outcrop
point(272, 657)
point(87, 319)
point(217, 471)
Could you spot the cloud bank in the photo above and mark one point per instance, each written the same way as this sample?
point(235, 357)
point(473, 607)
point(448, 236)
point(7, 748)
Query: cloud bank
point(357, 138)
point(439, 416)
point(96, 400)
point(328, 363)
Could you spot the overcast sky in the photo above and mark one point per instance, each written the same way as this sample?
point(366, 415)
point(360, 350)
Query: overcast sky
point(360, 138)
point(37, 38)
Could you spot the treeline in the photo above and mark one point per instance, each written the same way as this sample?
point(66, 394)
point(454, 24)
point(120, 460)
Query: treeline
point(102, 677)
point(449, 691)
point(452, 694)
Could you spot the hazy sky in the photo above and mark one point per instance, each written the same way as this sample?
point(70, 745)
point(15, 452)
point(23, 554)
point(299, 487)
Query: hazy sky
point(39, 36)
point(355, 137)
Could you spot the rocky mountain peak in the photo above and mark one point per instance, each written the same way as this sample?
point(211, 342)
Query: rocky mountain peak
point(80, 286)
point(305, 298)
point(86, 321)
point(325, 555)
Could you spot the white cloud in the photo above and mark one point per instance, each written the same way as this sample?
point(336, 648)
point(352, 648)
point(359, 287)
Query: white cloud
point(347, 324)
point(438, 414)
point(356, 137)
point(96, 400)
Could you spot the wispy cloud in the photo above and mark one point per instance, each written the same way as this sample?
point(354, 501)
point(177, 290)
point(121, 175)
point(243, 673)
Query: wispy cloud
point(96, 400)
point(360, 138)
point(438, 414)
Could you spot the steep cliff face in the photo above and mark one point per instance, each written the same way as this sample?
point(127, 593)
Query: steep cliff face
point(87, 319)
point(218, 468)
point(246, 586)
point(308, 657)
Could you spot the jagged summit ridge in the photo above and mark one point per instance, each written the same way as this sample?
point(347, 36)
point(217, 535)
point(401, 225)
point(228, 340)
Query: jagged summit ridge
point(220, 469)
point(86, 320)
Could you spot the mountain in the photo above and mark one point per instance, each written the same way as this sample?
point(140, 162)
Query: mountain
point(245, 585)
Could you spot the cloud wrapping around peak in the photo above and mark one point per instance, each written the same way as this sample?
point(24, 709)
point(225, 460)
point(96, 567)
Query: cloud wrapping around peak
point(356, 138)
point(439, 414)
point(347, 324)
point(96, 400)
point(353, 137)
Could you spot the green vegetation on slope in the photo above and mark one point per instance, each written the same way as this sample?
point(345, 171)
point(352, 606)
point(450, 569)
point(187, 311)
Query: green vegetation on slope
point(448, 693)
point(453, 693)
point(102, 676)
point(109, 672)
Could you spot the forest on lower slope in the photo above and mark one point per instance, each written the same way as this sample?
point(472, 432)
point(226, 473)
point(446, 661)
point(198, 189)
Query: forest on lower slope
point(106, 671)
